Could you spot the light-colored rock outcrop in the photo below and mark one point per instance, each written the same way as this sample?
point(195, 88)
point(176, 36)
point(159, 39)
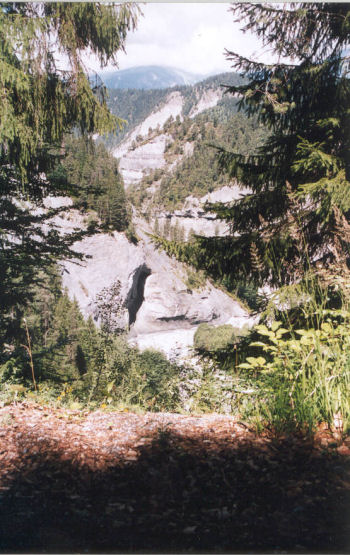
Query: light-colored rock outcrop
point(225, 194)
point(134, 163)
point(172, 107)
point(159, 308)
point(176, 344)
point(144, 158)
point(193, 218)
point(208, 99)
point(110, 258)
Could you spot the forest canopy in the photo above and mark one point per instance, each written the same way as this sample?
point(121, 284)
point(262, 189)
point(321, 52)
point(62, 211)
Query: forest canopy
point(40, 103)
point(298, 211)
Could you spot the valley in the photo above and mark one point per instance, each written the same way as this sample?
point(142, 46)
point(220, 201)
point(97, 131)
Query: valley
point(174, 277)
point(161, 308)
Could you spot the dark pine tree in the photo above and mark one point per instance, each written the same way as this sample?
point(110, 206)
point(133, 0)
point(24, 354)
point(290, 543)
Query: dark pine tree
point(40, 103)
point(298, 210)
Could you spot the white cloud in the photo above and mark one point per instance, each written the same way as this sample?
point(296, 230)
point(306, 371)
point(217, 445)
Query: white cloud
point(189, 36)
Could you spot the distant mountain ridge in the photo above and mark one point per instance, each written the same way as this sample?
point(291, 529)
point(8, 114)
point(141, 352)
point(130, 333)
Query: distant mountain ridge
point(149, 77)
point(136, 105)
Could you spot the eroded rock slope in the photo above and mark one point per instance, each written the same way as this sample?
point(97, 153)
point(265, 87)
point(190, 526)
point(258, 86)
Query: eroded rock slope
point(159, 308)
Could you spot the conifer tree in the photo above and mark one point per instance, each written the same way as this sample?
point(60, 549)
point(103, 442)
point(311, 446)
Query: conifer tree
point(40, 102)
point(119, 217)
point(167, 228)
point(299, 203)
point(156, 226)
point(94, 171)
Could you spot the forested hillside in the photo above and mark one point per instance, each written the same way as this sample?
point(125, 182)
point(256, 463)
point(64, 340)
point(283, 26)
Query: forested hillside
point(93, 172)
point(198, 171)
point(134, 105)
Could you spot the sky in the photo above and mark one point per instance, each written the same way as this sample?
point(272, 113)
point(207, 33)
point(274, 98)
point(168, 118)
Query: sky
point(187, 36)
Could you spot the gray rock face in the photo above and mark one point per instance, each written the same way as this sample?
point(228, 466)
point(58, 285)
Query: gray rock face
point(172, 107)
point(110, 258)
point(193, 217)
point(134, 163)
point(149, 156)
point(207, 99)
point(159, 309)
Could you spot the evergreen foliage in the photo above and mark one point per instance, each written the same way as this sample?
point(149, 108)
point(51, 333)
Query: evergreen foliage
point(199, 173)
point(300, 177)
point(40, 103)
point(94, 172)
point(80, 364)
point(207, 338)
point(135, 105)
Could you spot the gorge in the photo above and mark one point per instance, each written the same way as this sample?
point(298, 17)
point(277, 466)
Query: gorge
point(161, 310)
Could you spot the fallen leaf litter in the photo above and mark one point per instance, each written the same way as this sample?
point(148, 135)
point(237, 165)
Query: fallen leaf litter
point(99, 481)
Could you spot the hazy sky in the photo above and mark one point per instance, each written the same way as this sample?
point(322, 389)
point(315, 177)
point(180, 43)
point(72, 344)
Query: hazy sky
point(189, 36)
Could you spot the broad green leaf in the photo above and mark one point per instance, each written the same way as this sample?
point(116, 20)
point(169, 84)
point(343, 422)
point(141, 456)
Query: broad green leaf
point(294, 345)
point(305, 340)
point(261, 361)
point(326, 327)
point(281, 331)
point(263, 330)
point(256, 361)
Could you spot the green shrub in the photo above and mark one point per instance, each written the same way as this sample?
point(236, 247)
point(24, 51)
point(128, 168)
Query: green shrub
point(196, 280)
point(301, 377)
point(210, 339)
point(161, 379)
point(122, 375)
point(207, 389)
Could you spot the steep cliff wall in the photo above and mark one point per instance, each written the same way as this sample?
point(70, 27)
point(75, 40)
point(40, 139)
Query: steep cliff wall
point(193, 218)
point(159, 308)
point(137, 161)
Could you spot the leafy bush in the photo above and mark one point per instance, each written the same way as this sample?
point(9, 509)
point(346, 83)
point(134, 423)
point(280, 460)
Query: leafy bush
point(205, 388)
point(161, 380)
point(301, 377)
point(196, 280)
point(75, 362)
point(209, 338)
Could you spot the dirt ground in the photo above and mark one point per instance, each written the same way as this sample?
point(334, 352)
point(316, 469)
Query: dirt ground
point(73, 481)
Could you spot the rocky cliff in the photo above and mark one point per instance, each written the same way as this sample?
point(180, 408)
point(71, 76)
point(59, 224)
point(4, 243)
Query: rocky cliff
point(160, 306)
point(192, 217)
point(160, 310)
point(137, 160)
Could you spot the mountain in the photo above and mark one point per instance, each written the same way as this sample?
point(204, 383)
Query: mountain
point(166, 158)
point(138, 106)
point(169, 171)
point(169, 130)
point(149, 77)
